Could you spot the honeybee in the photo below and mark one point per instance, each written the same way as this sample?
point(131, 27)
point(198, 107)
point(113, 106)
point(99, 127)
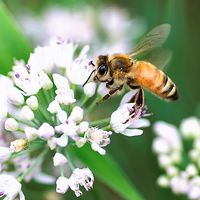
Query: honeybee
point(120, 69)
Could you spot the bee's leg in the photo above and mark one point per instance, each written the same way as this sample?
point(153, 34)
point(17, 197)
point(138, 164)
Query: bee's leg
point(111, 92)
point(138, 99)
point(109, 84)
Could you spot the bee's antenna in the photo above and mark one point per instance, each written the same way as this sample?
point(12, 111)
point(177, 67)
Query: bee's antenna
point(89, 77)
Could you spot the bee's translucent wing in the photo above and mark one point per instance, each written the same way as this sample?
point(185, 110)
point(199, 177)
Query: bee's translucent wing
point(158, 57)
point(154, 39)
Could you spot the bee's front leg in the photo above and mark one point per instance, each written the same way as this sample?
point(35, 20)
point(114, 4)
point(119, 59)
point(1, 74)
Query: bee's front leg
point(110, 84)
point(111, 92)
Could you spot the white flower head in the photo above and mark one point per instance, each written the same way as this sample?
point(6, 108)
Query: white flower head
point(89, 89)
point(31, 133)
point(82, 177)
point(10, 188)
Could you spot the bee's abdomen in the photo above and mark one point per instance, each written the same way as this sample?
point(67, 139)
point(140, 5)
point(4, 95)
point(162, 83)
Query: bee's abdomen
point(167, 89)
point(155, 80)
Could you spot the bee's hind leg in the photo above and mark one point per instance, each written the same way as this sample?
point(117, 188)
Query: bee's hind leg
point(111, 92)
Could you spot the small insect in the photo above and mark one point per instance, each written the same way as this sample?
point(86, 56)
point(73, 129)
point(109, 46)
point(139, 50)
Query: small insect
point(140, 68)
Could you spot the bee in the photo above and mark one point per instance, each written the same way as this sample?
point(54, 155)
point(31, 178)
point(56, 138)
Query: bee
point(139, 69)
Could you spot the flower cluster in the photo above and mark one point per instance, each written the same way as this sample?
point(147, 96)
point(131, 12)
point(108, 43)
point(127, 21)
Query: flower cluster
point(178, 154)
point(43, 109)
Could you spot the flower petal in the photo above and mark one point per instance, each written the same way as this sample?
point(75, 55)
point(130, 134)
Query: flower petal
point(132, 132)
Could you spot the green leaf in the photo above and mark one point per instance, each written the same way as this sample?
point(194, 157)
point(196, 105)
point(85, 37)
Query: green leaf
point(107, 171)
point(12, 42)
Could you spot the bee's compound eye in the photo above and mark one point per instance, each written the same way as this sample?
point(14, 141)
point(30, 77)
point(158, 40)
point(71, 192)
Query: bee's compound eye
point(102, 69)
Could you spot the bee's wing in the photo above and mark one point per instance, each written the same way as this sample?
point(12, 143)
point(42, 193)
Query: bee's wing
point(154, 39)
point(158, 57)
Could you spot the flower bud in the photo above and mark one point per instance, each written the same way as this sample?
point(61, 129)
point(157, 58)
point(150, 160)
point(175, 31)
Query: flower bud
point(59, 159)
point(19, 145)
point(11, 124)
point(54, 107)
point(15, 96)
point(27, 113)
point(46, 131)
point(32, 102)
point(62, 185)
point(163, 181)
point(83, 126)
point(62, 116)
point(5, 153)
point(172, 171)
point(76, 114)
point(31, 133)
point(80, 142)
point(45, 81)
point(191, 170)
point(89, 89)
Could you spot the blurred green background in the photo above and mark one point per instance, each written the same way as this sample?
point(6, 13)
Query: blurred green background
point(134, 155)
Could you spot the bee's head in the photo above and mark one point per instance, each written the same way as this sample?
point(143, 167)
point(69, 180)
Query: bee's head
point(102, 72)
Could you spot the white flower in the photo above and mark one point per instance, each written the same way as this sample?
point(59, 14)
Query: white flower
point(76, 114)
point(26, 113)
point(41, 59)
point(169, 133)
point(160, 146)
point(32, 102)
point(46, 82)
point(59, 159)
point(5, 83)
point(19, 145)
point(62, 116)
point(64, 95)
point(46, 131)
point(15, 96)
point(62, 141)
point(172, 171)
point(54, 107)
point(26, 79)
point(5, 153)
point(10, 188)
point(98, 139)
point(82, 177)
point(31, 133)
point(11, 124)
point(62, 185)
point(190, 127)
point(89, 89)
point(83, 126)
point(122, 123)
point(179, 185)
point(80, 69)
point(164, 160)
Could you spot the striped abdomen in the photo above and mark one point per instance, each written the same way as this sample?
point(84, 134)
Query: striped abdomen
point(148, 76)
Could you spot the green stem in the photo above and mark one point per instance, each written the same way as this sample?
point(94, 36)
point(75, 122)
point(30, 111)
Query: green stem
point(83, 100)
point(107, 128)
point(92, 105)
point(71, 165)
point(101, 121)
point(36, 162)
